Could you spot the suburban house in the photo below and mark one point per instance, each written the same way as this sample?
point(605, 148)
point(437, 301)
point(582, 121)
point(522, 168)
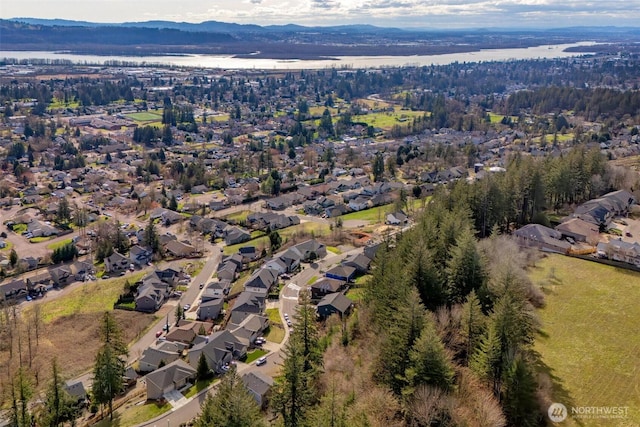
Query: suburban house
point(309, 250)
point(261, 281)
point(153, 357)
point(270, 221)
point(247, 303)
point(619, 250)
point(358, 261)
point(259, 386)
point(62, 276)
point(81, 270)
point(154, 290)
point(341, 272)
point(227, 270)
point(579, 230)
point(215, 289)
point(541, 237)
point(139, 256)
point(249, 329)
point(601, 211)
point(210, 310)
point(325, 286)
point(219, 349)
point(77, 392)
point(116, 263)
point(336, 303)
point(173, 376)
point(13, 290)
point(397, 218)
point(248, 254)
point(235, 235)
point(179, 249)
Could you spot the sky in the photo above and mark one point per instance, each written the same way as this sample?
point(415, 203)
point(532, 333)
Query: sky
point(387, 13)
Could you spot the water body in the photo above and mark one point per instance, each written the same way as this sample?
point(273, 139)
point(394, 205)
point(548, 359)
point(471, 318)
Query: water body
point(229, 62)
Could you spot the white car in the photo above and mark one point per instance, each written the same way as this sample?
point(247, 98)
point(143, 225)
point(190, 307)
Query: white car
point(286, 316)
point(261, 361)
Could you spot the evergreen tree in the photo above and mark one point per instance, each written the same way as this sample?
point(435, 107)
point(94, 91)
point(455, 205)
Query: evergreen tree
point(60, 406)
point(519, 395)
point(430, 363)
point(173, 203)
point(203, 371)
point(151, 237)
point(472, 325)
point(109, 365)
point(378, 167)
point(13, 257)
point(232, 405)
point(465, 268)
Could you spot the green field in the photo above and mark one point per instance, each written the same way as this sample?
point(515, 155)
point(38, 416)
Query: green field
point(55, 245)
point(263, 241)
point(238, 216)
point(135, 414)
point(90, 297)
point(589, 340)
point(388, 119)
point(497, 118)
point(145, 116)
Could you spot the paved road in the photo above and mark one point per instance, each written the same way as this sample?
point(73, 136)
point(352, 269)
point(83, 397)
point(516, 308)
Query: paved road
point(288, 303)
point(188, 297)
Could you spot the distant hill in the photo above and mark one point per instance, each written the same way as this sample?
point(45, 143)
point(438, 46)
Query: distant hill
point(209, 26)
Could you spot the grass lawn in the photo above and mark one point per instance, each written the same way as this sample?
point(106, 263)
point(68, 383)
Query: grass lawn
point(19, 228)
point(135, 414)
point(588, 342)
point(497, 118)
point(198, 387)
point(238, 216)
point(90, 297)
point(355, 294)
point(255, 355)
point(361, 280)
point(218, 118)
point(8, 246)
point(387, 120)
point(275, 334)
point(56, 245)
point(238, 285)
point(312, 280)
point(274, 316)
point(145, 116)
point(334, 250)
point(40, 239)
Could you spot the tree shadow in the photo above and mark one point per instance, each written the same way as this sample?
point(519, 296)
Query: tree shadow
point(559, 393)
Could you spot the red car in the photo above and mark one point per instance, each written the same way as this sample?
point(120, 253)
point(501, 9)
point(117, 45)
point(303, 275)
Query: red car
point(158, 334)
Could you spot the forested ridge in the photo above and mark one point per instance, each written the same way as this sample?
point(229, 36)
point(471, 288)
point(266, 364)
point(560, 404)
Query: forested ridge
point(445, 332)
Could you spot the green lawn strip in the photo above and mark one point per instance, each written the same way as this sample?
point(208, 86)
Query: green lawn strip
point(135, 414)
point(198, 387)
point(8, 246)
point(255, 355)
point(334, 250)
point(19, 228)
point(55, 245)
point(585, 341)
point(238, 285)
point(274, 316)
point(275, 334)
point(362, 280)
point(90, 297)
point(312, 280)
point(144, 116)
point(238, 216)
point(40, 239)
point(355, 294)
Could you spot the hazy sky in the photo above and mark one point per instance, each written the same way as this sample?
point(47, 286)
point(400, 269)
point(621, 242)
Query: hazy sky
point(397, 13)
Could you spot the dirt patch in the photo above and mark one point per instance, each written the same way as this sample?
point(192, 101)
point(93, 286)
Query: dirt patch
point(355, 223)
point(73, 341)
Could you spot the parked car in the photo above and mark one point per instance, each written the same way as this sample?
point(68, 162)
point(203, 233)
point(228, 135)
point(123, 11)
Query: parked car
point(187, 307)
point(201, 286)
point(158, 334)
point(261, 361)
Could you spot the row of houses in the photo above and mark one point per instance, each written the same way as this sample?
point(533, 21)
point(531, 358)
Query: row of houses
point(38, 284)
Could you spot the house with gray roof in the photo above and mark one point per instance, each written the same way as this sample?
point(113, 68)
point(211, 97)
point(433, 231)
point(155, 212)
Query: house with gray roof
point(247, 303)
point(259, 386)
point(541, 237)
point(336, 303)
point(173, 376)
point(153, 357)
point(210, 310)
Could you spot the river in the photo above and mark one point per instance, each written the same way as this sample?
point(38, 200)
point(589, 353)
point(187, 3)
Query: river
point(229, 62)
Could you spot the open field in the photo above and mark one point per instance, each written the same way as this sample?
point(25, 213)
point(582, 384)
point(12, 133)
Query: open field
point(388, 119)
point(145, 116)
point(497, 118)
point(588, 342)
point(238, 216)
point(88, 298)
point(378, 214)
point(59, 244)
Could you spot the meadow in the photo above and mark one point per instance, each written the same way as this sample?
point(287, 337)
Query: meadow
point(588, 341)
